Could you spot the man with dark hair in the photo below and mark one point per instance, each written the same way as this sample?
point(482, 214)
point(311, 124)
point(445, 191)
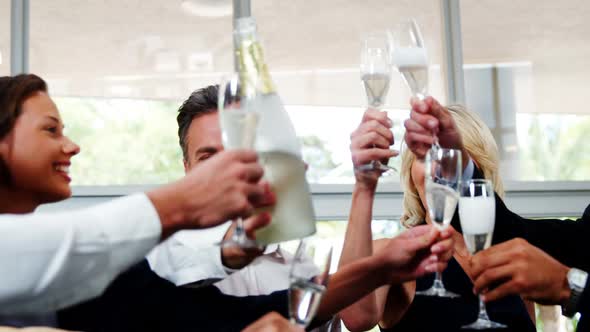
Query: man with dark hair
point(190, 257)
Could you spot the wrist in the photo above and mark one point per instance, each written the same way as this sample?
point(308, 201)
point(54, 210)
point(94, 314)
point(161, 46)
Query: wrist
point(382, 267)
point(170, 209)
point(365, 187)
point(565, 291)
point(577, 281)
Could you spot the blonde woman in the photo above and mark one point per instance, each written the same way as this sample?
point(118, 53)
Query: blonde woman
point(396, 307)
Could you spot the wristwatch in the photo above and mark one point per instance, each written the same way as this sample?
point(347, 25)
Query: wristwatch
point(576, 280)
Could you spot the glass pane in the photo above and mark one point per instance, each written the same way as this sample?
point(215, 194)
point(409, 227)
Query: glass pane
point(4, 37)
point(123, 141)
point(526, 69)
point(118, 61)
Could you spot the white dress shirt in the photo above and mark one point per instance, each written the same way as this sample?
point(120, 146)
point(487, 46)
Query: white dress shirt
point(50, 261)
point(189, 256)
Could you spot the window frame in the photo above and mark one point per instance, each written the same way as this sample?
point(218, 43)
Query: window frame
point(332, 201)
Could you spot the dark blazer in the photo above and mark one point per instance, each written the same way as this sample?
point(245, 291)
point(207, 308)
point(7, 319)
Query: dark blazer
point(562, 239)
point(139, 300)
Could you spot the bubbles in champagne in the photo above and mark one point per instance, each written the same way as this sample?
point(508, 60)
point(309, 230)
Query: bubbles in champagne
point(376, 87)
point(442, 202)
point(477, 215)
point(412, 63)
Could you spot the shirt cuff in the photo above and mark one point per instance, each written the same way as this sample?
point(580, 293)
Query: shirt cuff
point(468, 171)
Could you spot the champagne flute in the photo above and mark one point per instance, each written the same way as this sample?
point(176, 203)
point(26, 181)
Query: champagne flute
point(477, 212)
point(376, 75)
point(238, 119)
point(410, 58)
point(310, 271)
point(442, 170)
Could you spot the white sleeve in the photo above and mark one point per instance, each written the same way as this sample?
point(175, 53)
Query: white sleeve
point(190, 256)
point(50, 261)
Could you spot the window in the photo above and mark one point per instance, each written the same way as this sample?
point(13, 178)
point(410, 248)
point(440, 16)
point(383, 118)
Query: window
point(121, 70)
point(4, 37)
point(526, 69)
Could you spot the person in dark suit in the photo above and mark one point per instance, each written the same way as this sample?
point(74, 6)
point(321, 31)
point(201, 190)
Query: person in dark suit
point(545, 261)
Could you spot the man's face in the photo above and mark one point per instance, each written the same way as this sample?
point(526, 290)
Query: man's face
point(203, 139)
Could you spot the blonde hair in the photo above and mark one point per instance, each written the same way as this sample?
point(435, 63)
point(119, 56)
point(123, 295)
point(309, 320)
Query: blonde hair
point(479, 143)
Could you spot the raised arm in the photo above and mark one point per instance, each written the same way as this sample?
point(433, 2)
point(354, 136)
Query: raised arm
point(370, 141)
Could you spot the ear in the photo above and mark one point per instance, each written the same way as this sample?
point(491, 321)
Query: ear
point(186, 165)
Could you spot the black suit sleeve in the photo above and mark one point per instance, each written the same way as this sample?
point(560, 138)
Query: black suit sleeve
point(139, 300)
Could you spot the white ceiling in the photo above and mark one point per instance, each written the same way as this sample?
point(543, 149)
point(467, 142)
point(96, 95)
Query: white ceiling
point(73, 42)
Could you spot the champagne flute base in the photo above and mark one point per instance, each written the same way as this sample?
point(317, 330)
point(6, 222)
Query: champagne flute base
point(376, 166)
point(244, 243)
point(483, 324)
point(438, 292)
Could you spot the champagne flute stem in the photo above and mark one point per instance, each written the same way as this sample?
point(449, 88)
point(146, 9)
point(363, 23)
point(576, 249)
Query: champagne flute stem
point(483, 314)
point(239, 232)
point(421, 97)
point(438, 280)
point(296, 323)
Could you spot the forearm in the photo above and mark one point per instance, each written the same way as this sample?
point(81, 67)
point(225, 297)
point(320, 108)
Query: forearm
point(352, 282)
point(357, 245)
point(358, 239)
point(71, 256)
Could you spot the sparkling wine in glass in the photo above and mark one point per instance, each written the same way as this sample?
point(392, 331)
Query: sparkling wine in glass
point(410, 58)
point(310, 271)
point(442, 173)
point(477, 212)
point(238, 119)
point(375, 76)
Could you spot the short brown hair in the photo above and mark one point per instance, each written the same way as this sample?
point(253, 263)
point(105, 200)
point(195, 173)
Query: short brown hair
point(200, 102)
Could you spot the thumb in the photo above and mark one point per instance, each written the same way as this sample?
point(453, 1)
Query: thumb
point(255, 222)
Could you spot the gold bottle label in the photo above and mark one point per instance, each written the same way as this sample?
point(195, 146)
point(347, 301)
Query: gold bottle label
point(252, 68)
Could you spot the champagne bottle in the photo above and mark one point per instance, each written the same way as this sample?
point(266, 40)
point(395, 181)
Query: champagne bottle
point(276, 143)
